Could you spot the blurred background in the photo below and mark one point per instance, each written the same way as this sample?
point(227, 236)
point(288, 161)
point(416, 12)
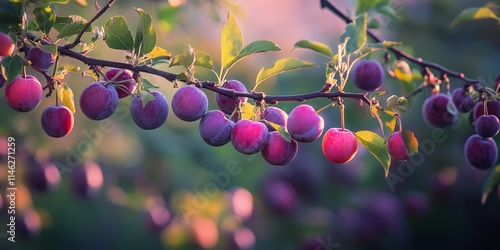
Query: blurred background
point(111, 185)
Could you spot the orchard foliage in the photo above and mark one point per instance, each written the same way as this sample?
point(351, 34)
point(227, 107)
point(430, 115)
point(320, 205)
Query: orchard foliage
point(34, 35)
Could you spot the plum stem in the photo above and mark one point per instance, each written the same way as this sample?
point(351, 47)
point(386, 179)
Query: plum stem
point(485, 106)
point(342, 120)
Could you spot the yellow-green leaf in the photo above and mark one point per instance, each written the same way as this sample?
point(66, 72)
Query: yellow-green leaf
point(66, 96)
point(280, 66)
point(410, 141)
point(402, 71)
point(247, 111)
point(376, 146)
point(200, 59)
point(386, 119)
point(231, 40)
point(470, 14)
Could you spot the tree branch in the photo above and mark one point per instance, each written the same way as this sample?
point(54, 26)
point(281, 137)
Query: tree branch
point(400, 54)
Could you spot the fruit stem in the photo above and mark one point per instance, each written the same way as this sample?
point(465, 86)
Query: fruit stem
point(24, 72)
point(56, 86)
point(400, 123)
point(485, 106)
point(342, 123)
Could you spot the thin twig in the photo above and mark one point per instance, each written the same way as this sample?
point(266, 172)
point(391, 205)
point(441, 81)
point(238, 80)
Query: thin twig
point(400, 54)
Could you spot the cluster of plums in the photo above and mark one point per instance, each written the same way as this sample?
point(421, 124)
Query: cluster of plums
point(480, 149)
point(99, 100)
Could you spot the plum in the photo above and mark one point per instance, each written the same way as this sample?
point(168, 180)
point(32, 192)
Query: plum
point(481, 153)
point(6, 45)
point(304, 124)
point(43, 176)
point(40, 60)
point(463, 101)
point(24, 94)
point(275, 115)
point(241, 202)
point(436, 113)
point(28, 223)
point(215, 128)
point(57, 121)
point(249, 137)
point(280, 196)
point(87, 179)
point(228, 104)
point(122, 80)
point(367, 74)
point(397, 148)
point(279, 151)
point(151, 116)
point(98, 101)
point(339, 146)
point(189, 103)
point(157, 218)
point(487, 126)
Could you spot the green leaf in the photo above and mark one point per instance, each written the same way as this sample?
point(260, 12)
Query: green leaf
point(145, 37)
point(470, 14)
point(44, 18)
point(386, 119)
point(402, 71)
point(148, 84)
point(231, 40)
point(377, 94)
point(118, 35)
point(376, 146)
point(371, 47)
point(356, 32)
point(146, 97)
point(12, 67)
point(389, 11)
point(398, 104)
point(253, 48)
point(315, 46)
point(201, 59)
point(365, 5)
point(491, 183)
point(392, 101)
point(10, 16)
point(411, 143)
point(281, 130)
point(75, 25)
point(280, 66)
